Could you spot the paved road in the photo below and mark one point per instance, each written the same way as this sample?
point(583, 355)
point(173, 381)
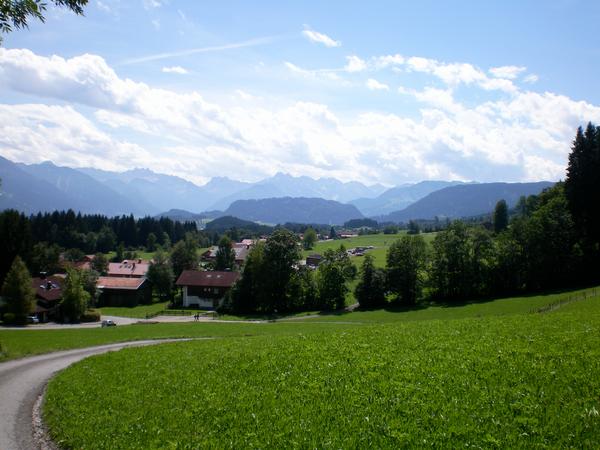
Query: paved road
point(23, 380)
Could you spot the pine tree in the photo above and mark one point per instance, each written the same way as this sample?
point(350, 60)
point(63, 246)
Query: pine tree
point(500, 216)
point(18, 292)
point(370, 290)
point(582, 190)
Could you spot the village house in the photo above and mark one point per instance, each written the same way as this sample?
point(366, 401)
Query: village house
point(135, 268)
point(48, 295)
point(205, 289)
point(241, 250)
point(314, 260)
point(124, 291)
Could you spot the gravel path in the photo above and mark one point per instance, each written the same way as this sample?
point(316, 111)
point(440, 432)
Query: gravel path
point(22, 381)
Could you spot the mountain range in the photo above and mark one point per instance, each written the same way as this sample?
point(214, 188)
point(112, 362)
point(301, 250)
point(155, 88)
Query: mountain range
point(293, 209)
point(465, 200)
point(278, 199)
point(144, 192)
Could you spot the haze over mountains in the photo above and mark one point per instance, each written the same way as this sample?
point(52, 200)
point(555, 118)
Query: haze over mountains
point(278, 199)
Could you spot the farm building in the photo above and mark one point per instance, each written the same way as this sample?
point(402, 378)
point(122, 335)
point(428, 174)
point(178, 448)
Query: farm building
point(124, 291)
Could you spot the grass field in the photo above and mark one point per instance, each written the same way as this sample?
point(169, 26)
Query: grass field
point(19, 343)
point(381, 242)
point(496, 376)
point(136, 312)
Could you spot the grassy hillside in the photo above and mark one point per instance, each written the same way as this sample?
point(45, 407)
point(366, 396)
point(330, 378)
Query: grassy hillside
point(509, 381)
point(381, 242)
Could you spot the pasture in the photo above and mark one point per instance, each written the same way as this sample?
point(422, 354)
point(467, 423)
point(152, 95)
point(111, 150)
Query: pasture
point(511, 381)
point(380, 241)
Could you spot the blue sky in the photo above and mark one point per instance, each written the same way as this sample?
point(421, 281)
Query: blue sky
point(388, 92)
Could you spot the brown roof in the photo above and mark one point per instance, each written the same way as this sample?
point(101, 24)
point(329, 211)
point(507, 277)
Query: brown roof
point(49, 288)
point(120, 283)
point(241, 252)
point(133, 268)
point(213, 278)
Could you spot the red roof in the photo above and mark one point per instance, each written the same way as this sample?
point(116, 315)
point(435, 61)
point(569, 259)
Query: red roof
point(133, 268)
point(120, 283)
point(213, 278)
point(49, 289)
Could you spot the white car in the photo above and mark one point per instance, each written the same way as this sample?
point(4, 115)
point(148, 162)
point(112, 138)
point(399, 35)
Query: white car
point(108, 323)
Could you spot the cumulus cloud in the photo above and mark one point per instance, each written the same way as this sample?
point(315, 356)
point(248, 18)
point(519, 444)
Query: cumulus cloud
point(509, 72)
point(375, 85)
point(175, 69)
point(320, 38)
point(519, 135)
point(355, 64)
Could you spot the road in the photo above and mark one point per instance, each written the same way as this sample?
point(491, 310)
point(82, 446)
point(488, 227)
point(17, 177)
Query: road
point(22, 381)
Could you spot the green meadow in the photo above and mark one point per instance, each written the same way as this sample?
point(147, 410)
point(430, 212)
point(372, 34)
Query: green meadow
point(136, 312)
point(381, 242)
point(511, 373)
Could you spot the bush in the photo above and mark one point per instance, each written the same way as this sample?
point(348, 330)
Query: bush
point(13, 319)
point(91, 315)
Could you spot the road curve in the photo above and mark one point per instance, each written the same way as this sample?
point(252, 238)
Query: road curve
point(23, 380)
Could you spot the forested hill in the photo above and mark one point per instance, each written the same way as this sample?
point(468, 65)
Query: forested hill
point(465, 200)
point(290, 209)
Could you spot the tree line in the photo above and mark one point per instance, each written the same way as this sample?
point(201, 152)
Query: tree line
point(39, 239)
point(550, 241)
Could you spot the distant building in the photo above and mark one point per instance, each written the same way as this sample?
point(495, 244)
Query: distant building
point(314, 260)
point(241, 250)
point(85, 263)
point(48, 295)
point(135, 268)
point(205, 289)
point(124, 291)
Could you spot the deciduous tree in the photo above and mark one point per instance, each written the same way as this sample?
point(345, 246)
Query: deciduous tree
point(17, 13)
point(225, 258)
point(160, 274)
point(405, 264)
point(74, 297)
point(309, 239)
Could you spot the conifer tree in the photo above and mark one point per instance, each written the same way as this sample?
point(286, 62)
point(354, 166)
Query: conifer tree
point(500, 216)
point(18, 292)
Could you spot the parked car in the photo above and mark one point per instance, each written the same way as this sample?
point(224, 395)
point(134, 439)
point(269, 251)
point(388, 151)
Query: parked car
point(108, 323)
point(33, 319)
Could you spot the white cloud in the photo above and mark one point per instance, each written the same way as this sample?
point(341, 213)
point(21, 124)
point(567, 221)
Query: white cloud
point(454, 74)
point(175, 69)
point(153, 4)
point(156, 24)
point(323, 74)
point(508, 72)
point(320, 38)
point(531, 78)
point(381, 62)
point(103, 6)
point(520, 135)
point(355, 64)
point(375, 85)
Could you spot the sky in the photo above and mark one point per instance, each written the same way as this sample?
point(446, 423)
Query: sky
point(387, 92)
